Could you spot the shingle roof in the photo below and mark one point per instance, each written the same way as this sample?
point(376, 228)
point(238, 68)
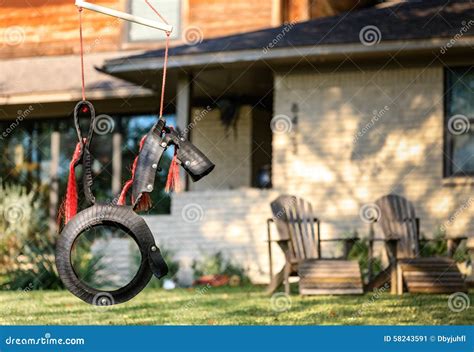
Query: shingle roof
point(419, 19)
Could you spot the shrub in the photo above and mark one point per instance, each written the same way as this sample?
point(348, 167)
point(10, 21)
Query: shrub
point(439, 247)
point(26, 244)
point(360, 252)
point(217, 264)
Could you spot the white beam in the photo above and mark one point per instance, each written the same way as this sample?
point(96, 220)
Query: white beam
point(183, 112)
point(53, 180)
point(125, 16)
point(117, 141)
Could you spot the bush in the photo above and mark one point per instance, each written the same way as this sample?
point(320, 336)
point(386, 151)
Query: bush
point(217, 264)
point(439, 247)
point(360, 252)
point(26, 244)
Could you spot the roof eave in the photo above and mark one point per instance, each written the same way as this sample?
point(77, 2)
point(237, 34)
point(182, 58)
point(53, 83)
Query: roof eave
point(115, 67)
point(74, 95)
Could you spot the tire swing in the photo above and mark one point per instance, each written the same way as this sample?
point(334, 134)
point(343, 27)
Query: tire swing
point(117, 214)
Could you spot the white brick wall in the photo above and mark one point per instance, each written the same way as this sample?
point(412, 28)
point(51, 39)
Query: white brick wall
point(229, 150)
point(401, 153)
point(205, 222)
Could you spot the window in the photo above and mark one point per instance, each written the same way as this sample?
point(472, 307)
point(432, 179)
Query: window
point(459, 122)
point(169, 9)
point(25, 155)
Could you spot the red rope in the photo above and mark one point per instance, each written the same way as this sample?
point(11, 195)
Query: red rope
point(70, 203)
point(165, 64)
point(82, 55)
point(173, 173)
point(155, 11)
point(163, 84)
point(69, 206)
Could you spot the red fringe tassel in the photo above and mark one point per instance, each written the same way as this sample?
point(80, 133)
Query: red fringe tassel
point(173, 181)
point(70, 203)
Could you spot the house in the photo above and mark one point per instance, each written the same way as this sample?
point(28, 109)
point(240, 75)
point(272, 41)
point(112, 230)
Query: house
point(40, 79)
point(355, 106)
point(340, 110)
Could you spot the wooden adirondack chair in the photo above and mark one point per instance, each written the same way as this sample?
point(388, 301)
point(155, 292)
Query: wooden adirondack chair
point(400, 225)
point(299, 237)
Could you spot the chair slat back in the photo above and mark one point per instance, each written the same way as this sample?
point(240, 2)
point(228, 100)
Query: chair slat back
point(398, 219)
point(294, 219)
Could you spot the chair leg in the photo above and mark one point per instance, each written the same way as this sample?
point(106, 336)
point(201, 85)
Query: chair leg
point(287, 278)
point(399, 280)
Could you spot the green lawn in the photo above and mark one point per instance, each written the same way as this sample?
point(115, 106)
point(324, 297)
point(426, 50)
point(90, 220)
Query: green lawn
point(248, 305)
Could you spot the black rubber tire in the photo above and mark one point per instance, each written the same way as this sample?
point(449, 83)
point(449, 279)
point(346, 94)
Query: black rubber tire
point(119, 216)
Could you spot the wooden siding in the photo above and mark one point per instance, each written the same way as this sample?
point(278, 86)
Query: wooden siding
point(217, 17)
point(50, 27)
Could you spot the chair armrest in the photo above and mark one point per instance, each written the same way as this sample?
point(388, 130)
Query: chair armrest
point(455, 239)
point(452, 243)
point(348, 245)
point(269, 232)
point(340, 239)
point(396, 239)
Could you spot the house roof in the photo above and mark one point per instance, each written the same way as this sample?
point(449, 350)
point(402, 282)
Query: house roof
point(406, 21)
point(57, 78)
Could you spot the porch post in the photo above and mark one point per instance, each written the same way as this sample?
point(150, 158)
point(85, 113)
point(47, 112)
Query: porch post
point(183, 113)
point(117, 140)
point(53, 178)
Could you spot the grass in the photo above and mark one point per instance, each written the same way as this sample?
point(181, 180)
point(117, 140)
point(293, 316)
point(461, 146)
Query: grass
point(230, 306)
